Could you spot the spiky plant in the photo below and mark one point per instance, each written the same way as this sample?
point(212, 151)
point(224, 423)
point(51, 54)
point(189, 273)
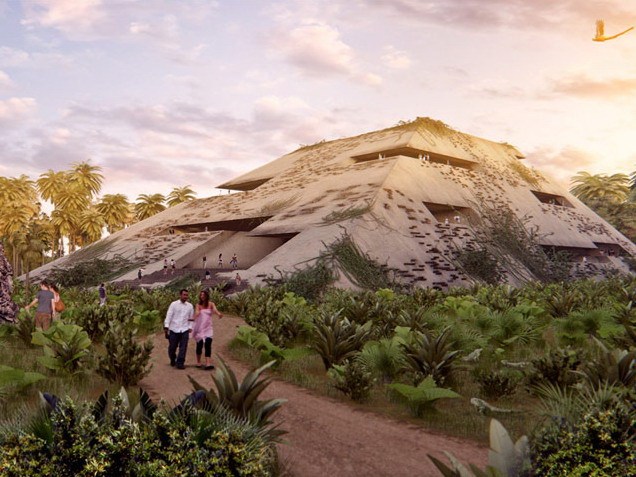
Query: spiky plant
point(431, 356)
point(383, 358)
point(336, 339)
point(421, 397)
point(614, 367)
point(242, 398)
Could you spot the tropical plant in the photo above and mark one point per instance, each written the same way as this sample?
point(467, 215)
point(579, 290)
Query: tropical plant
point(616, 367)
point(178, 195)
point(431, 356)
point(353, 379)
point(126, 361)
point(557, 367)
point(384, 358)
point(24, 327)
point(336, 339)
point(65, 346)
point(115, 210)
point(597, 187)
point(241, 399)
point(255, 339)
point(12, 378)
point(148, 205)
point(505, 458)
point(496, 383)
point(421, 397)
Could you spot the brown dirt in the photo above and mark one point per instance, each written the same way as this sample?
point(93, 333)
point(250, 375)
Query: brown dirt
point(325, 436)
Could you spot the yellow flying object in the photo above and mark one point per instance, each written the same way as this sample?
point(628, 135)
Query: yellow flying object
point(600, 32)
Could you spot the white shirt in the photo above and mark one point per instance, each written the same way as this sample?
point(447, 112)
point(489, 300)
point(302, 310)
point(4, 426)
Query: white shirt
point(179, 316)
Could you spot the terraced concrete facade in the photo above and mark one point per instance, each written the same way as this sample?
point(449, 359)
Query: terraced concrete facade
point(405, 195)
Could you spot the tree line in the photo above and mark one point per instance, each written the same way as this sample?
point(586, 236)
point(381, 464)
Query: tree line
point(79, 214)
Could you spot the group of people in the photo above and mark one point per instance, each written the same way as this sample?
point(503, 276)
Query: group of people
point(48, 303)
point(182, 319)
point(173, 266)
point(233, 261)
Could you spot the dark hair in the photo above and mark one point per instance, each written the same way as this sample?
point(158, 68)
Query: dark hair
point(54, 287)
point(205, 301)
point(183, 290)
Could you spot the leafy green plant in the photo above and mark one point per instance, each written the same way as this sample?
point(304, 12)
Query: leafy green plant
point(24, 327)
point(578, 326)
point(384, 358)
point(421, 397)
point(505, 458)
point(557, 367)
point(125, 361)
point(336, 339)
point(12, 378)
point(615, 367)
point(431, 356)
point(242, 398)
point(65, 346)
point(253, 338)
point(494, 383)
point(353, 379)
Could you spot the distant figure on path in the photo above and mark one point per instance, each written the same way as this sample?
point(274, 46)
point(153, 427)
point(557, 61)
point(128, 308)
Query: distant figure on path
point(165, 266)
point(202, 331)
point(140, 273)
point(44, 311)
point(207, 274)
point(177, 327)
point(205, 261)
point(102, 294)
point(234, 262)
point(173, 266)
point(220, 260)
point(237, 280)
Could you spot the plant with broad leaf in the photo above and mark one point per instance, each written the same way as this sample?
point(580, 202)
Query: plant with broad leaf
point(65, 346)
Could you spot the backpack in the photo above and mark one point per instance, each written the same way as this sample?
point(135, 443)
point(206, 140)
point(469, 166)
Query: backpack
point(59, 306)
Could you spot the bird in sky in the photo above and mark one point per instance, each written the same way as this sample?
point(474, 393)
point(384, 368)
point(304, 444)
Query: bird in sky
point(600, 32)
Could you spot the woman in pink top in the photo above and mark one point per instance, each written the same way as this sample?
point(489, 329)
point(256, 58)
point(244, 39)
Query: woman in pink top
point(202, 330)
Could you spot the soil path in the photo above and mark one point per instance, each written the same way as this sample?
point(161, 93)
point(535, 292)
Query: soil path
point(325, 437)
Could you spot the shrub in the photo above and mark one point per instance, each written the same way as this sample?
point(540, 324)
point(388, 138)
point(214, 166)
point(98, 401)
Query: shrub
point(65, 346)
point(431, 356)
point(336, 339)
point(310, 282)
point(601, 444)
point(421, 397)
point(384, 358)
point(479, 264)
point(126, 361)
point(496, 383)
point(557, 367)
point(353, 379)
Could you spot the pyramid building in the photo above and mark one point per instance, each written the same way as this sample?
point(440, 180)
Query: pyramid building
point(406, 196)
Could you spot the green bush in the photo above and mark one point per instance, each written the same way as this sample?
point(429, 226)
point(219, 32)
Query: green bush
point(557, 367)
point(600, 445)
point(66, 346)
point(125, 361)
point(431, 356)
point(336, 339)
point(353, 379)
point(420, 398)
point(496, 383)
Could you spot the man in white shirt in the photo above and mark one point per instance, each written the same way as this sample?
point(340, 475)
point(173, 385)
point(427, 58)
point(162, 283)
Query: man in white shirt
point(177, 327)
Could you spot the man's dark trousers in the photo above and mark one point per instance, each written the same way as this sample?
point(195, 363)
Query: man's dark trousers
point(179, 340)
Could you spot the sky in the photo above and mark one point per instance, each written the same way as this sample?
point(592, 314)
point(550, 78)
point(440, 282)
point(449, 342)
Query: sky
point(167, 93)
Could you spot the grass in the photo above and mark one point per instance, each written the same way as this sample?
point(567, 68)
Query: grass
point(454, 417)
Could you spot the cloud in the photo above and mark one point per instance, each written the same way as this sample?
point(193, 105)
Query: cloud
point(536, 15)
point(15, 58)
point(396, 59)
point(496, 89)
point(315, 48)
point(583, 86)
point(561, 164)
point(5, 81)
point(16, 110)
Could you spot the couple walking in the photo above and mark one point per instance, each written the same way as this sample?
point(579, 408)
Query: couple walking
point(182, 319)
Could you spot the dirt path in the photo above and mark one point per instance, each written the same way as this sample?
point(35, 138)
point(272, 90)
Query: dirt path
point(326, 437)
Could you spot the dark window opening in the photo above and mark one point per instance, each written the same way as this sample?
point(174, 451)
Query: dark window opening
point(450, 214)
point(238, 225)
point(551, 199)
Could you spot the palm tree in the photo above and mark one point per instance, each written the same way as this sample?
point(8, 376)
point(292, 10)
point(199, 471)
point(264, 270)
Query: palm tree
point(87, 176)
point(91, 225)
point(600, 187)
point(179, 195)
point(149, 205)
point(115, 210)
point(51, 183)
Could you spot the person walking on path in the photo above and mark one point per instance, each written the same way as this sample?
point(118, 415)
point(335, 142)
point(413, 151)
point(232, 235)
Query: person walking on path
point(234, 262)
point(140, 273)
point(205, 261)
point(44, 311)
point(173, 266)
point(220, 260)
point(202, 331)
point(165, 266)
point(177, 327)
point(102, 294)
